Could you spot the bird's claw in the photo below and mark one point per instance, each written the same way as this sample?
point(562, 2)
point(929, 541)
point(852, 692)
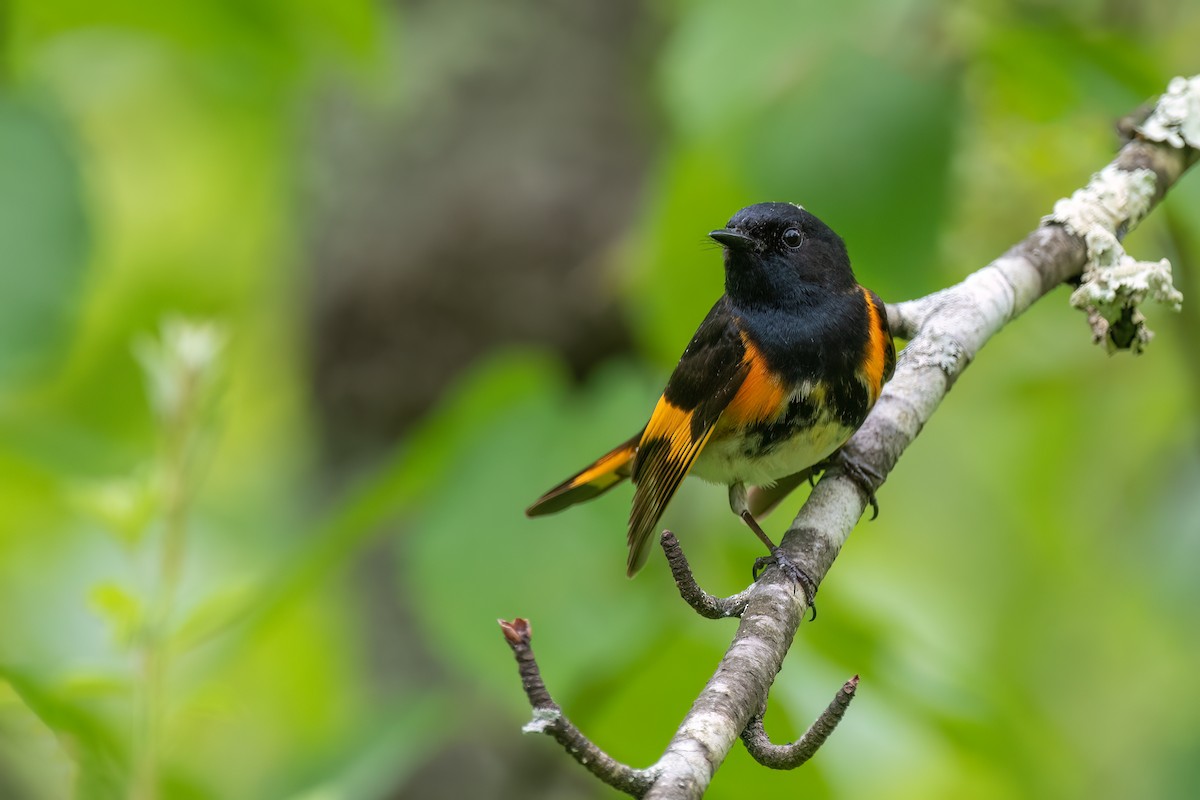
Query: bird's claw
point(792, 570)
point(863, 474)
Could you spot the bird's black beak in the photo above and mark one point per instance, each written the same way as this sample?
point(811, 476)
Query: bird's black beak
point(733, 239)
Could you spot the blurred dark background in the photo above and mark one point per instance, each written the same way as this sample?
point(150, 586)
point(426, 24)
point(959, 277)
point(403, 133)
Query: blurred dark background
point(303, 302)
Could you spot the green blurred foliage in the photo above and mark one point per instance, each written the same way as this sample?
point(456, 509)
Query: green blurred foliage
point(1023, 613)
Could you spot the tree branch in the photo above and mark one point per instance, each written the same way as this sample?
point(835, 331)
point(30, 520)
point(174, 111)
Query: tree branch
point(945, 330)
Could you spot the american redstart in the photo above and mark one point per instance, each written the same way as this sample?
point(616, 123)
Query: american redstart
point(779, 375)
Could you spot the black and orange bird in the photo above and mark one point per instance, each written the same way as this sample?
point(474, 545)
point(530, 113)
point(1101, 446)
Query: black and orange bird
point(779, 375)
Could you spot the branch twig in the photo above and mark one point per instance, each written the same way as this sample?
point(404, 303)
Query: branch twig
point(706, 605)
point(790, 756)
point(549, 719)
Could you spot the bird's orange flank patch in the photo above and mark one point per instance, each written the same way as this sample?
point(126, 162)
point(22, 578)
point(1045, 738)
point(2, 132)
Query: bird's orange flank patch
point(876, 355)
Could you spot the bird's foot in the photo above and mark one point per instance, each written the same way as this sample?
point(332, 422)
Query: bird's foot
point(858, 471)
point(792, 570)
point(785, 564)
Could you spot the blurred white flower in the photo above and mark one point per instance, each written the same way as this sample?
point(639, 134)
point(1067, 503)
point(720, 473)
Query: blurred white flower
point(180, 364)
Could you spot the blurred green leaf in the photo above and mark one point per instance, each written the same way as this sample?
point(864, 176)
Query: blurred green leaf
point(382, 757)
point(728, 62)
point(412, 475)
point(124, 506)
point(216, 613)
point(45, 233)
point(99, 758)
point(86, 685)
point(120, 609)
point(271, 32)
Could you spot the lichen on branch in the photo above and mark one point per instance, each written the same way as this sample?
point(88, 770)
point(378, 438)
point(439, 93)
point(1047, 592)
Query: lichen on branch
point(1115, 284)
point(1176, 118)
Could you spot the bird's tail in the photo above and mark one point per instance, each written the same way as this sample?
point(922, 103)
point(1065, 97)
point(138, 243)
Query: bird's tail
point(591, 481)
point(761, 500)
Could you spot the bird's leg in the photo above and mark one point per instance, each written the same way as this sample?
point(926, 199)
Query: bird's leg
point(738, 502)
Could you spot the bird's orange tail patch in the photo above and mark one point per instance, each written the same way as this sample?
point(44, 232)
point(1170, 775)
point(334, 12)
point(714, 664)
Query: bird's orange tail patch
point(592, 481)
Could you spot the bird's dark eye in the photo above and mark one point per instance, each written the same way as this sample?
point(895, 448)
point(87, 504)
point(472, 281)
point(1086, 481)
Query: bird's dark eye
point(792, 237)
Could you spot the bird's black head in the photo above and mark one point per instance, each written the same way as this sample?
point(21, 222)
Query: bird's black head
point(780, 254)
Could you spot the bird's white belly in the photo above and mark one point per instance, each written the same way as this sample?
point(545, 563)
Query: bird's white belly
point(727, 461)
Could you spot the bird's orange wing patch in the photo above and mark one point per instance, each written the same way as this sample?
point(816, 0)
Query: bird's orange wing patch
point(761, 396)
point(666, 453)
point(668, 421)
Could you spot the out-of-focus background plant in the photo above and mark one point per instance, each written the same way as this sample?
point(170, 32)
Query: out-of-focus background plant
point(302, 302)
